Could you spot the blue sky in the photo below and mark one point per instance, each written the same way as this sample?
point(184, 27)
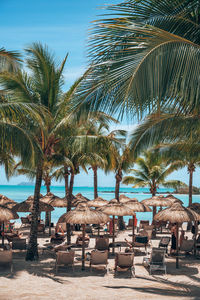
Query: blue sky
point(63, 25)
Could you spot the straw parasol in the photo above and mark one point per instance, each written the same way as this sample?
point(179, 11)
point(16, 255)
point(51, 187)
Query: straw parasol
point(156, 201)
point(173, 199)
point(81, 197)
point(137, 207)
point(84, 215)
point(97, 202)
point(27, 206)
point(116, 209)
point(4, 200)
point(6, 214)
point(123, 198)
point(177, 214)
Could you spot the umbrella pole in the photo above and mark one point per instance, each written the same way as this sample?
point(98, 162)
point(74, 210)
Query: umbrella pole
point(49, 223)
point(3, 235)
point(133, 235)
point(113, 249)
point(83, 248)
point(177, 258)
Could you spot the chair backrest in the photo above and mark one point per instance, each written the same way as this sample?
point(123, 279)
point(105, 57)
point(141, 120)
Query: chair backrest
point(187, 245)
point(41, 227)
point(102, 243)
point(141, 239)
point(125, 259)
point(18, 243)
point(65, 258)
point(99, 257)
point(5, 256)
point(25, 220)
point(164, 240)
point(88, 229)
point(157, 256)
point(143, 223)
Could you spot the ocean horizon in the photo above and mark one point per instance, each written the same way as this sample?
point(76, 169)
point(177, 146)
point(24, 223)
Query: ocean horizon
point(20, 193)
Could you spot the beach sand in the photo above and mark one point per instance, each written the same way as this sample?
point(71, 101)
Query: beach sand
point(37, 280)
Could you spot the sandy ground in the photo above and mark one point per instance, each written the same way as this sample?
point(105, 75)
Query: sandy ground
point(37, 280)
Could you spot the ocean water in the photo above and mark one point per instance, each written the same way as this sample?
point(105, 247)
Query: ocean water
point(20, 193)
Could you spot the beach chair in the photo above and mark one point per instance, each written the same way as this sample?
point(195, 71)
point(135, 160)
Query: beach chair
point(19, 244)
point(99, 258)
point(102, 244)
point(64, 258)
point(125, 261)
point(164, 243)
point(41, 227)
point(141, 242)
point(25, 221)
point(156, 261)
point(143, 223)
point(6, 259)
point(187, 246)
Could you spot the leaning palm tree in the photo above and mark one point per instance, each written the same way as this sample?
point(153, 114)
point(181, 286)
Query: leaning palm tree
point(152, 172)
point(146, 58)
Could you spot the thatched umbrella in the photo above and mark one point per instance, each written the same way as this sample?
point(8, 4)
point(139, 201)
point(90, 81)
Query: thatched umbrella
point(97, 202)
point(81, 197)
point(4, 200)
point(177, 214)
point(27, 206)
point(84, 215)
point(116, 209)
point(156, 201)
point(173, 199)
point(123, 198)
point(6, 214)
point(137, 207)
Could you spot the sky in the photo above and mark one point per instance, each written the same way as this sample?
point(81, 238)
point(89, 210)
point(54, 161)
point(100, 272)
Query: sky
point(64, 26)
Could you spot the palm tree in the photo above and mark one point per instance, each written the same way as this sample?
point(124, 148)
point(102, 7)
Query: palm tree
point(152, 171)
point(42, 86)
point(146, 58)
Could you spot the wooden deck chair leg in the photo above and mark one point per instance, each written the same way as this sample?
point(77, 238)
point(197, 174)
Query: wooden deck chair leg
point(11, 268)
point(133, 271)
point(107, 269)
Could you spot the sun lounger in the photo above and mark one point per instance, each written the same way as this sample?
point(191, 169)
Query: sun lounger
point(141, 242)
point(102, 243)
point(99, 258)
point(25, 221)
point(19, 244)
point(187, 246)
point(6, 258)
point(125, 261)
point(164, 242)
point(41, 228)
point(143, 224)
point(64, 258)
point(156, 261)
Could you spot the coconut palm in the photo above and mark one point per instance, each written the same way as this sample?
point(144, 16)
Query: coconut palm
point(146, 58)
point(41, 86)
point(152, 172)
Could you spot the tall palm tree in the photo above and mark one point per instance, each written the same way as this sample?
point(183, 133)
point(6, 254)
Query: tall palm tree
point(152, 172)
point(41, 86)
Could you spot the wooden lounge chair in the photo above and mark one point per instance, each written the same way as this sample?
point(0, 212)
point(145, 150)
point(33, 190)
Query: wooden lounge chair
point(187, 246)
point(156, 261)
point(99, 258)
point(6, 258)
point(143, 224)
point(19, 244)
point(64, 258)
point(102, 244)
point(141, 242)
point(41, 227)
point(25, 221)
point(164, 243)
point(125, 261)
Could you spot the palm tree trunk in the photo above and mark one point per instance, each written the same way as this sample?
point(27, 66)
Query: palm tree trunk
point(47, 215)
point(66, 178)
point(191, 169)
point(94, 168)
point(69, 204)
point(118, 178)
point(190, 186)
point(32, 252)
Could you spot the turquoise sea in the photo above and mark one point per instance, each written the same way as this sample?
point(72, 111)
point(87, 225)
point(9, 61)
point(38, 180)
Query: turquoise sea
point(21, 192)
